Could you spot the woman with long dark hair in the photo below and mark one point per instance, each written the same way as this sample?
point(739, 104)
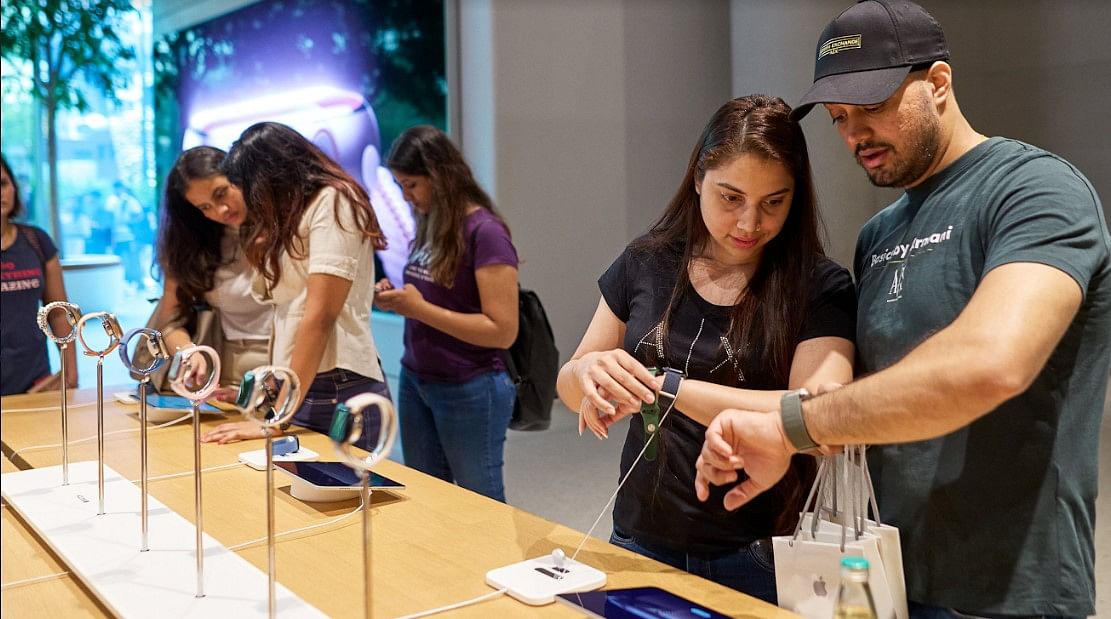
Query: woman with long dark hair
point(203, 265)
point(731, 296)
point(460, 307)
point(32, 275)
point(311, 235)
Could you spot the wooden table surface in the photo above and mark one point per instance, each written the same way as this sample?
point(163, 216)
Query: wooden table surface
point(432, 542)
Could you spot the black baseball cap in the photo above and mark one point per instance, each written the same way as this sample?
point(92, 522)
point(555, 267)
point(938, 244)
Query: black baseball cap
point(866, 52)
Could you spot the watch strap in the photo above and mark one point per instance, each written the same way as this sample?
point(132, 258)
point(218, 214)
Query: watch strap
point(670, 388)
point(794, 426)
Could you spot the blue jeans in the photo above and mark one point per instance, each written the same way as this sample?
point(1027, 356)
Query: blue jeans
point(456, 431)
point(921, 611)
point(336, 386)
point(750, 569)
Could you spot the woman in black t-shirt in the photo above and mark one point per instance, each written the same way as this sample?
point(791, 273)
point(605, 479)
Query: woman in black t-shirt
point(731, 292)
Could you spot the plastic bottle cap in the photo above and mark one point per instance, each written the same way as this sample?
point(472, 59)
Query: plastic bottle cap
point(854, 563)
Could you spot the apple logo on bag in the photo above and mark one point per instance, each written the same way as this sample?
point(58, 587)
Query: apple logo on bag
point(820, 587)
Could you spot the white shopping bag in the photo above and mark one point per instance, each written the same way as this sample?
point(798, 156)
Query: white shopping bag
point(807, 564)
point(808, 571)
point(854, 463)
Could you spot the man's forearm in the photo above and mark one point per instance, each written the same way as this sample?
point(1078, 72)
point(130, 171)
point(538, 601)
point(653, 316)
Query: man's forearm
point(934, 390)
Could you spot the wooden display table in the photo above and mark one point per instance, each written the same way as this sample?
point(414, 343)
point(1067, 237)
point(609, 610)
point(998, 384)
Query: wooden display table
point(432, 542)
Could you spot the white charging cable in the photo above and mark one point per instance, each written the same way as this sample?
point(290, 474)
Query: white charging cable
point(605, 508)
point(211, 469)
point(628, 473)
point(444, 609)
point(30, 581)
point(91, 438)
point(39, 409)
point(310, 527)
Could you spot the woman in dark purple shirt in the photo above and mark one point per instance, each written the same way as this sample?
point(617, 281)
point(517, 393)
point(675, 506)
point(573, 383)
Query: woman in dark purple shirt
point(30, 273)
point(460, 307)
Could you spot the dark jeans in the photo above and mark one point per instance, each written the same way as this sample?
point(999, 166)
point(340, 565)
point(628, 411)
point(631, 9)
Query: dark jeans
point(456, 431)
point(336, 386)
point(750, 569)
point(921, 611)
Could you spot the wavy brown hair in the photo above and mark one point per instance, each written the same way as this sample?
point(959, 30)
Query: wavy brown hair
point(424, 150)
point(279, 172)
point(767, 319)
point(188, 246)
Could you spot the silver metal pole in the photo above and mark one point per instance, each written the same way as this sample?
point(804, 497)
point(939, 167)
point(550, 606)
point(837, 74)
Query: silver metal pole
point(100, 434)
point(366, 544)
point(270, 550)
point(197, 494)
point(143, 457)
point(65, 421)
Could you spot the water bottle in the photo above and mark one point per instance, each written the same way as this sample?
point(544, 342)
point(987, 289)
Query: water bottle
point(854, 597)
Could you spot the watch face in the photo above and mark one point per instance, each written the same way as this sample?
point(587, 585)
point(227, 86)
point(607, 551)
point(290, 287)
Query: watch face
point(243, 398)
point(175, 367)
point(341, 424)
point(156, 346)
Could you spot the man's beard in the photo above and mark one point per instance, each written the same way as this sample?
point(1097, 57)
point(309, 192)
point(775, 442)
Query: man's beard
point(922, 145)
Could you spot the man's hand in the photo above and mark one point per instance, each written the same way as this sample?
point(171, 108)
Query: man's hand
point(745, 440)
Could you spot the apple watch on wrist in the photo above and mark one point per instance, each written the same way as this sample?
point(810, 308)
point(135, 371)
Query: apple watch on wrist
point(670, 388)
point(790, 413)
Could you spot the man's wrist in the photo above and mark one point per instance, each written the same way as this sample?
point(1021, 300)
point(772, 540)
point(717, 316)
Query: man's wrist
point(794, 424)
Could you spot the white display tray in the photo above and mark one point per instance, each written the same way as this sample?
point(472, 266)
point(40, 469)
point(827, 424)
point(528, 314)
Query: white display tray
point(103, 551)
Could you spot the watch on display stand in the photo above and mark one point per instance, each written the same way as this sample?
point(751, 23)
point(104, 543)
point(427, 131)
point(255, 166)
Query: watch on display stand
point(159, 355)
point(112, 329)
point(72, 315)
point(180, 368)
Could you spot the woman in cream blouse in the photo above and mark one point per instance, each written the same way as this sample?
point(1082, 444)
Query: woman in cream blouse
point(310, 233)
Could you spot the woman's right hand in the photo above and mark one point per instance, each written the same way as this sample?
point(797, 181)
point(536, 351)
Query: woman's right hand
point(196, 370)
point(614, 386)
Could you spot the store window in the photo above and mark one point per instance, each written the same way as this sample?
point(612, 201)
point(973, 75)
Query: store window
point(105, 213)
point(106, 204)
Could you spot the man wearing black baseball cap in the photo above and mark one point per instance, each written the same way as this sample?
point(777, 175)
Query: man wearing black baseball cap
point(983, 335)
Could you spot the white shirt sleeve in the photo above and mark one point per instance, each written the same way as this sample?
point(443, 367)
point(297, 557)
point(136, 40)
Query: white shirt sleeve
point(335, 241)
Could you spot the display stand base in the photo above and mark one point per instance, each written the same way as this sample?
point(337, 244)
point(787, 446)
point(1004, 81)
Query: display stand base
point(257, 459)
point(537, 581)
point(103, 551)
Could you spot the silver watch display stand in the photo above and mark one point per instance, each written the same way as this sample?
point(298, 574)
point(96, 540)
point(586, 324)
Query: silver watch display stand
point(268, 396)
point(159, 355)
point(347, 427)
point(111, 328)
point(73, 315)
point(184, 361)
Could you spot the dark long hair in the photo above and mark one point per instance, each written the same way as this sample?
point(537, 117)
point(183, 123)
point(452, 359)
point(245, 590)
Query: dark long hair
point(424, 150)
point(279, 173)
point(188, 247)
point(17, 206)
point(767, 319)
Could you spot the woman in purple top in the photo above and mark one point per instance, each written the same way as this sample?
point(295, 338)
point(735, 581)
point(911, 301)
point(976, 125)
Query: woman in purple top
point(30, 273)
point(460, 307)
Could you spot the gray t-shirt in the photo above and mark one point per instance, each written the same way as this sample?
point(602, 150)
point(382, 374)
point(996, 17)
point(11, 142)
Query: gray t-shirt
point(996, 517)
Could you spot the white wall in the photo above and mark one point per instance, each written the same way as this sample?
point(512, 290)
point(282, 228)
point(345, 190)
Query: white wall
point(579, 118)
point(1035, 70)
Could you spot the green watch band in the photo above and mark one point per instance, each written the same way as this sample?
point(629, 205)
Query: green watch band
point(790, 413)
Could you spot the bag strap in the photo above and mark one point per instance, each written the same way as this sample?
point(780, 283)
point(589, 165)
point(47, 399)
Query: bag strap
point(506, 358)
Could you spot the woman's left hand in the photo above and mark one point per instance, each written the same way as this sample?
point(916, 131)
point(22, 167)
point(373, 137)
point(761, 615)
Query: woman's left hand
point(404, 301)
point(236, 431)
